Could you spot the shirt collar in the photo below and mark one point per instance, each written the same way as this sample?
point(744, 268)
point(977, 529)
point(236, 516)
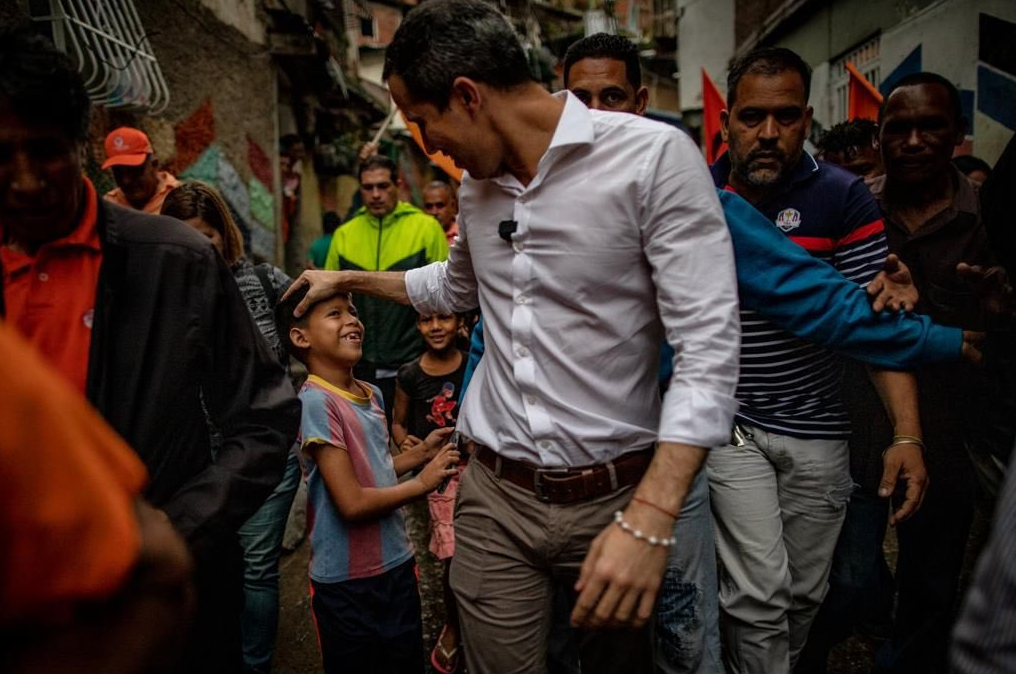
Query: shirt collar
point(85, 235)
point(574, 127)
point(805, 169)
point(965, 200)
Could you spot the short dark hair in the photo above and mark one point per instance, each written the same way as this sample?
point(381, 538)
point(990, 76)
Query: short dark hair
point(606, 46)
point(917, 79)
point(845, 137)
point(768, 62)
point(285, 320)
point(289, 140)
point(378, 161)
point(330, 221)
point(968, 163)
point(441, 40)
point(41, 84)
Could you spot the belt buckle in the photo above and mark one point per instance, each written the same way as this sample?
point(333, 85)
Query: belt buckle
point(538, 481)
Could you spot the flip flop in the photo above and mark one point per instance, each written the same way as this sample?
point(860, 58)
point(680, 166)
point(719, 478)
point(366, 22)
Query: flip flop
point(448, 656)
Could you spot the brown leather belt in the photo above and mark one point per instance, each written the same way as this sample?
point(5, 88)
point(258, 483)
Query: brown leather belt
point(568, 485)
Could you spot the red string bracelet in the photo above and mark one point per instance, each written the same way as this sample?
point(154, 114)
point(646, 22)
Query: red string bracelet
point(654, 506)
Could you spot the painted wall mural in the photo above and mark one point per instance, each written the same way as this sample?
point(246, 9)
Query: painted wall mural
point(252, 203)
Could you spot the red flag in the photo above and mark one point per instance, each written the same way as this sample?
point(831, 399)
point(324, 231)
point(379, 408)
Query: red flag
point(440, 158)
point(863, 99)
point(712, 105)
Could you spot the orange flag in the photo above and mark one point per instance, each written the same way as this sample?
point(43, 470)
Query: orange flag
point(443, 161)
point(863, 99)
point(712, 105)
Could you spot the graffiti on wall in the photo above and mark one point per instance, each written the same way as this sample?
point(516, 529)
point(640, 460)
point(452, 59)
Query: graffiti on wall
point(199, 157)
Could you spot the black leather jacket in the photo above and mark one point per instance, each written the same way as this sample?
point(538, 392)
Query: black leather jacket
point(170, 324)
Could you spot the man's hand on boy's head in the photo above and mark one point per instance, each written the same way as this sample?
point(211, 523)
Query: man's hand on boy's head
point(321, 285)
point(441, 466)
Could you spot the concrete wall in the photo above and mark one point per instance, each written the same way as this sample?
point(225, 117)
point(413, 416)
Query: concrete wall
point(705, 39)
point(948, 34)
point(944, 34)
point(238, 14)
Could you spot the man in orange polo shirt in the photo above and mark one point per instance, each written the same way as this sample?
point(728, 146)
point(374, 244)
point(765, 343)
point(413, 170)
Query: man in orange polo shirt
point(140, 183)
point(85, 566)
point(141, 314)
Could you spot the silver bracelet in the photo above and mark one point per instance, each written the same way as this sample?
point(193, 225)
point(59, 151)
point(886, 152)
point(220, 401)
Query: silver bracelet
point(637, 533)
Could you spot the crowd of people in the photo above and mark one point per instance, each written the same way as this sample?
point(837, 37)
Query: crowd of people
point(662, 413)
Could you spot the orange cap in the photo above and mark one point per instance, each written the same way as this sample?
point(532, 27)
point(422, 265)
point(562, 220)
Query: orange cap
point(126, 147)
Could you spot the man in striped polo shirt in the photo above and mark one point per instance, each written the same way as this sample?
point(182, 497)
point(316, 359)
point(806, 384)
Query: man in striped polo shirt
point(779, 490)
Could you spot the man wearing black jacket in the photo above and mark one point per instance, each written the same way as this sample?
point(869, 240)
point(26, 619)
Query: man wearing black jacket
point(141, 315)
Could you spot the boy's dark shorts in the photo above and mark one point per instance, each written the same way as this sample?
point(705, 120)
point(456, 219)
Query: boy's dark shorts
point(372, 624)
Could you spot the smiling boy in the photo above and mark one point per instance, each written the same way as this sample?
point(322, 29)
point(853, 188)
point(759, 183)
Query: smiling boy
point(364, 595)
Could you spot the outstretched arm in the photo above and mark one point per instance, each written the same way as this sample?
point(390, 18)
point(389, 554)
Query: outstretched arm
point(811, 299)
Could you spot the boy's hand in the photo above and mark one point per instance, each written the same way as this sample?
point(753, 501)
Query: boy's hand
point(410, 443)
point(441, 466)
point(435, 440)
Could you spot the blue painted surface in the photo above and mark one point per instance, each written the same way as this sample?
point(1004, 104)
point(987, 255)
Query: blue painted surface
point(908, 66)
point(995, 96)
point(967, 102)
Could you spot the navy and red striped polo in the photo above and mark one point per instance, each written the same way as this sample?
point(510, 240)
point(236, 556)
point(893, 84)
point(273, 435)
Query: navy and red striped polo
point(787, 384)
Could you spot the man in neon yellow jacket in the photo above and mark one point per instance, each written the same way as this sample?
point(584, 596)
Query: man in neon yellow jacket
point(386, 235)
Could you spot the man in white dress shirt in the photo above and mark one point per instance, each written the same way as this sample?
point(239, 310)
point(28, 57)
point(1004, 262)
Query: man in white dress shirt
point(585, 238)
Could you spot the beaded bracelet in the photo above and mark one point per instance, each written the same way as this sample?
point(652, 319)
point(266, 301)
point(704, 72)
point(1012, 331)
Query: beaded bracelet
point(637, 533)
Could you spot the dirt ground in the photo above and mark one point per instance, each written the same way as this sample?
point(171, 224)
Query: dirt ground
point(297, 650)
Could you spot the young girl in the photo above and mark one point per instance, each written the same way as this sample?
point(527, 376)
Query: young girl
point(426, 399)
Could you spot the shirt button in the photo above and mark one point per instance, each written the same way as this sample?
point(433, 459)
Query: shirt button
point(521, 299)
point(43, 277)
point(523, 352)
point(544, 444)
point(519, 246)
point(531, 400)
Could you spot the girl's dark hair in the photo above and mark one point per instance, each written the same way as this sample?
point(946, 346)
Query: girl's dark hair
point(198, 200)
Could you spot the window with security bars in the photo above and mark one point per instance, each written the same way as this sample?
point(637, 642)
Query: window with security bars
point(866, 57)
point(110, 48)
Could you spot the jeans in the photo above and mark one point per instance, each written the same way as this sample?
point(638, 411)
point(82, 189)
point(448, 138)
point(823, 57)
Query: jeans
point(687, 631)
point(261, 539)
point(778, 503)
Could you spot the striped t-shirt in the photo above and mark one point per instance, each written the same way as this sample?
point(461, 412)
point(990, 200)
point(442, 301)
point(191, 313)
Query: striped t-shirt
point(343, 550)
point(788, 385)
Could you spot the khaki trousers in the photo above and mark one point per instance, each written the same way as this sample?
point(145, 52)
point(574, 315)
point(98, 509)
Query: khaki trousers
point(510, 550)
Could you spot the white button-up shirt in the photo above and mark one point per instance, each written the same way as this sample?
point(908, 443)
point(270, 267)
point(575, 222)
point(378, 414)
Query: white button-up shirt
point(620, 237)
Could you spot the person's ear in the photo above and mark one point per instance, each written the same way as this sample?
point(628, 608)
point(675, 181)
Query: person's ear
point(298, 338)
point(641, 100)
point(724, 124)
point(466, 92)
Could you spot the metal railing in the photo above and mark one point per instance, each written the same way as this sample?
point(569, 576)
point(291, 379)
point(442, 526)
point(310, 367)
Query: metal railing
point(108, 43)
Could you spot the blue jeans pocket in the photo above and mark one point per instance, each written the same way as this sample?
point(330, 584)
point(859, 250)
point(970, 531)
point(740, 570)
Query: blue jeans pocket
point(678, 623)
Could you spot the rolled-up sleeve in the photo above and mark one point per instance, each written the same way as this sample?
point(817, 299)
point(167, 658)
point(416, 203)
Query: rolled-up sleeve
point(445, 287)
point(688, 247)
